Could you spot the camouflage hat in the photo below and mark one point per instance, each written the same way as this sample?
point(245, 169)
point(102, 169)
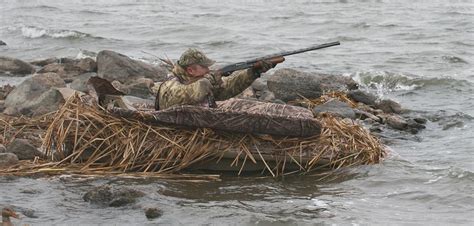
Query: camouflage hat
point(194, 56)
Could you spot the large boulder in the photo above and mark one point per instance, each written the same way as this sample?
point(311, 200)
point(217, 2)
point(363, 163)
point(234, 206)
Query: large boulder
point(23, 149)
point(288, 84)
point(35, 96)
point(115, 66)
point(11, 66)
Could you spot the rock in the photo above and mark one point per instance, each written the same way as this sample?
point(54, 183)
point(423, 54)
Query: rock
point(335, 107)
point(116, 66)
point(389, 106)
point(3, 149)
point(365, 115)
point(71, 67)
point(107, 196)
point(286, 84)
point(265, 95)
point(23, 149)
point(80, 82)
point(35, 96)
point(87, 65)
point(2, 43)
point(259, 85)
point(420, 120)
point(15, 67)
point(8, 159)
point(363, 97)
point(396, 122)
point(141, 88)
point(152, 213)
point(45, 62)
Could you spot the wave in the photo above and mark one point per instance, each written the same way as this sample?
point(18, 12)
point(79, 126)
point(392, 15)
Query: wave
point(36, 32)
point(385, 81)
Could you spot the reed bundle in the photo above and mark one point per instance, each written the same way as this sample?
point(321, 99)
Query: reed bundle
point(85, 138)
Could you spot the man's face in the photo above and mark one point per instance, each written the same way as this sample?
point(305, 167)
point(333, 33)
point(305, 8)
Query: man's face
point(196, 70)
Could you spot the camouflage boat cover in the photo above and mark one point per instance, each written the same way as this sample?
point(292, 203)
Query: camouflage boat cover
point(234, 115)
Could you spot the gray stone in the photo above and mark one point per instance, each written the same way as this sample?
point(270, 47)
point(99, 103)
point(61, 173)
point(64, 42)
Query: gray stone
point(396, 122)
point(105, 195)
point(70, 68)
point(45, 62)
point(3, 149)
point(23, 149)
point(259, 85)
point(266, 95)
point(389, 106)
point(116, 66)
point(35, 96)
point(335, 107)
point(8, 159)
point(152, 212)
point(363, 97)
point(15, 67)
point(2, 43)
point(289, 84)
point(80, 82)
point(141, 88)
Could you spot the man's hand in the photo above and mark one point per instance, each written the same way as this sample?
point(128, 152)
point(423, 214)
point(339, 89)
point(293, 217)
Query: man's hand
point(265, 65)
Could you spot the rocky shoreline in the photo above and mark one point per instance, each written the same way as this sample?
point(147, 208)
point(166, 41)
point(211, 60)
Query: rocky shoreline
point(50, 78)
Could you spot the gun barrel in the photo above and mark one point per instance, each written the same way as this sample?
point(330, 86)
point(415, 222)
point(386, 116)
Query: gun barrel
point(288, 53)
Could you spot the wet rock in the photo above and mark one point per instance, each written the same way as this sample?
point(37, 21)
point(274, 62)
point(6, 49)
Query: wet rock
point(80, 82)
point(2, 43)
point(15, 67)
point(152, 213)
point(335, 107)
point(8, 159)
point(115, 66)
point(389, 106)
point(3, 149)
point(420, 120)
point(365, 115)
point(396, 122)
point(288, 84)
point(35, 96)
point(23, 149)
point(107, 196)
point(363, 97)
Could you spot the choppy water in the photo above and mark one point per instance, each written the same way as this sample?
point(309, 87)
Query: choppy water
point(419, 53)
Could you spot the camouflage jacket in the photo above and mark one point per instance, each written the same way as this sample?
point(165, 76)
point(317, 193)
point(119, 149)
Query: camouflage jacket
point(185, 90)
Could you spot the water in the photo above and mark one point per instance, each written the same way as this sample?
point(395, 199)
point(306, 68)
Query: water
point(419, 53)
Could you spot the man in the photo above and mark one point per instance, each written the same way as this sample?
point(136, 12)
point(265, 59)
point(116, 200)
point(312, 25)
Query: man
point(193, 83)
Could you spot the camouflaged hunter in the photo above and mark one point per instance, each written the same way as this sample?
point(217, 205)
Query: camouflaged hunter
point(186, 89)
